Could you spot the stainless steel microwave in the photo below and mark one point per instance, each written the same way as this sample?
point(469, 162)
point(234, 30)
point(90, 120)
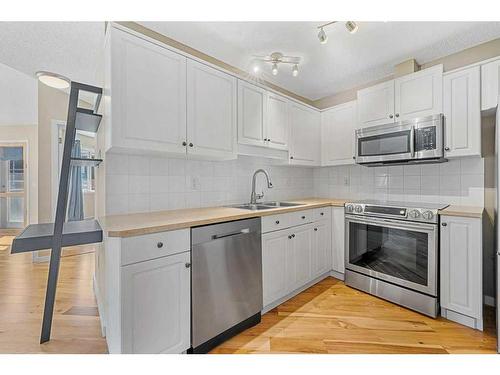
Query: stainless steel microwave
point(419, 140)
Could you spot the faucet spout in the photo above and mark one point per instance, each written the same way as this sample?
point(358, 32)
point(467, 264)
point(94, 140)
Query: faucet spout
point(254, 196)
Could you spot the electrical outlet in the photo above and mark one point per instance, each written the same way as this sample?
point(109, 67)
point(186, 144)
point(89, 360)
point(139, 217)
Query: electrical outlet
point(195, 183)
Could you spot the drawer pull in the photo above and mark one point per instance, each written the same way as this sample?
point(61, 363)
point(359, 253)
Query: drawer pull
point(293, 235)
point(159, 245)
point(444, 224)
point(289, 237)
point(322, 213)
point(277, 221)
point(303, 217)
point(315, 229)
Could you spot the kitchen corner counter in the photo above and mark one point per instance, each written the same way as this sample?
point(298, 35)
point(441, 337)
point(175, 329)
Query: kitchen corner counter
point(137, 224)
point(463, 211)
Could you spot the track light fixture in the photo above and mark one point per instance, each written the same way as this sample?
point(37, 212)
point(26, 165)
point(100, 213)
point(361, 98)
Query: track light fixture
point(277, 58)
point(351, 26)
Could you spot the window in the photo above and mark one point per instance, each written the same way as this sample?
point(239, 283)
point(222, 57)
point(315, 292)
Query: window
point(88, 173)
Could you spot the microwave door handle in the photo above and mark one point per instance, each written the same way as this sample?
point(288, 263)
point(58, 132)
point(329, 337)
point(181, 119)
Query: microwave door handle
point(412, 142)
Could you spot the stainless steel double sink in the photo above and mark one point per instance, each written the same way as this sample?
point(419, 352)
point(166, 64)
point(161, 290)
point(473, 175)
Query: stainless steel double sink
point(266, 205)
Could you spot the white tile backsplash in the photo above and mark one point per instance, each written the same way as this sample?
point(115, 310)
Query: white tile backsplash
point(458, 181)
point(143, 184)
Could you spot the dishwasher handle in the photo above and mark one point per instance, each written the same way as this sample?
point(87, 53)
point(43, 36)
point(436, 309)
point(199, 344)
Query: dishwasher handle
point(218, 236)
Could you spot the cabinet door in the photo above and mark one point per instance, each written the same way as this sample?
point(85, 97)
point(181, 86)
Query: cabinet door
point(277, 127)
point(156, 305)
point(462, 113)
point(376, 104)
point(338, 235)
point(490, 84)
point(321, 248)
point(301, 248)
point(305, 135)
point(274, 266)
point(337, 134)
point(419, 94)
point(148, 90)
point(461, 265)
point(211, 112)
point(252, 108)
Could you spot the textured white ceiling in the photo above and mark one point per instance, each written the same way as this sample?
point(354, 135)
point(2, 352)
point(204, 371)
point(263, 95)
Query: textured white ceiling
point(73, 49)
point(346, 61)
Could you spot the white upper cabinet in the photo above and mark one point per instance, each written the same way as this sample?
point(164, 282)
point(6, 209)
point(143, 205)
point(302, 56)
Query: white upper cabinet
point(277, 127)
point(252, 114)
point(376, 104)
point(462, 112)
point(211, 112)
point(419, 94)
point(148, 89)
point(304, 135)
point(490, 85)
point(337, 134)
point(414, 95)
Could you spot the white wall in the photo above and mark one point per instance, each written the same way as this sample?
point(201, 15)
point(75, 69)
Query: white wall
point(458, 181)
point(143, 184)
point(18, 98)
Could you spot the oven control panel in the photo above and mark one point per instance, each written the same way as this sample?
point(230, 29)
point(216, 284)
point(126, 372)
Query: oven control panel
point(429, 215)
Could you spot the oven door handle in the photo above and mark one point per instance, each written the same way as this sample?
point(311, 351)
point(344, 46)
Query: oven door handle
point(412, 142)
point(391, 223)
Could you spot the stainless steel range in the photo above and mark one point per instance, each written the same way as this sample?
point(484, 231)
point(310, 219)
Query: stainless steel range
point(392, 251)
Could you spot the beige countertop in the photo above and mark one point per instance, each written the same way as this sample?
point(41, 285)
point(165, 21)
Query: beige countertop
point(463, 211)
point(129, 225)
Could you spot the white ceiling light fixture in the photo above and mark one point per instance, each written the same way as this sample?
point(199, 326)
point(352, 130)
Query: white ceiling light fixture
point(54, 80)
point(277, 58)
point(351, 26)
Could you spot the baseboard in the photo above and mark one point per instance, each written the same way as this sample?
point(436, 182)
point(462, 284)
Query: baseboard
point(462, 319)
point(100, 307)
point(278, 302)
point(337, 275)
point(490, 301)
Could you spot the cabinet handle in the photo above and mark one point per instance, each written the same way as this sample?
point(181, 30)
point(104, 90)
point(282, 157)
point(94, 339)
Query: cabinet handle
point(444, 224)
point(277, 221)
point(190, 144)
point(293, 235)
point(315, 229)
point(447, 149)
point(184, 143)
point(289, 237)
point(397, 114)
point(322, 213)
point(303, 217)
point(391, 116)
point(187, 265)
point(291, 157)
point(159, 245)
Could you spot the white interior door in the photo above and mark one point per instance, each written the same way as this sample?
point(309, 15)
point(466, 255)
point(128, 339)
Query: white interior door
point(13, 213)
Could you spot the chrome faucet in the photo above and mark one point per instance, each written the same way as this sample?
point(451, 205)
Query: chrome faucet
point(254, 196)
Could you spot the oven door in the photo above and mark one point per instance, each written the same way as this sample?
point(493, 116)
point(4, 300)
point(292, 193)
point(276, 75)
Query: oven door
point(392, 142)
point(400, 252)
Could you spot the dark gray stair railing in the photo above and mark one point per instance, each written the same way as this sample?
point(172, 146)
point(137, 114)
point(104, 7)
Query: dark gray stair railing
point(62, 233)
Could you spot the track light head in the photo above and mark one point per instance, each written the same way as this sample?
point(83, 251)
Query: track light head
point(274, 69)
point(351, 26)
point(323, 38)
point(295, 70)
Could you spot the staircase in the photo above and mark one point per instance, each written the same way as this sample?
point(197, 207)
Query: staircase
point(62, 233)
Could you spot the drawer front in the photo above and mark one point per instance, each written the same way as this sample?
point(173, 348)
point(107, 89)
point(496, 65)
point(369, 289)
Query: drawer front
point(322, 213)
point(301, 217)
point(275, 222)
point(156, 245)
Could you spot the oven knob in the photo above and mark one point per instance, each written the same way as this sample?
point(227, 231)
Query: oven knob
point(414, 214)
point(358, 209)
point(349, 208)
point(427, 215)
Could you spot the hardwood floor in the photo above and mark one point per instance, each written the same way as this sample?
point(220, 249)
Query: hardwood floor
point(326, 318)
point(75, 328)
point(333, 318)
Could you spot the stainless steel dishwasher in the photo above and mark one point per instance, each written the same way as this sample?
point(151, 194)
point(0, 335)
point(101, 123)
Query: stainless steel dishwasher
point(226, 281)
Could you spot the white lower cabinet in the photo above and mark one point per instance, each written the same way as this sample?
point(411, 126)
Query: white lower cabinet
point(156, 305)
point(461, 270)
point(338, 248)
point(293, 257)
point(274, 268)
